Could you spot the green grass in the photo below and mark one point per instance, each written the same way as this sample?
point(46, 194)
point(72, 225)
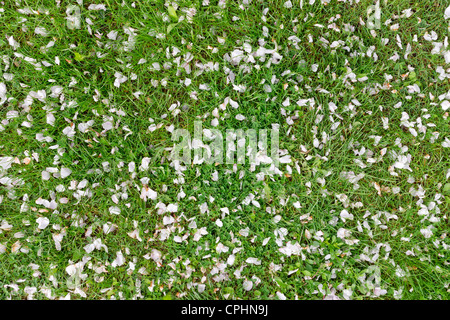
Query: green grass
point(391, 260)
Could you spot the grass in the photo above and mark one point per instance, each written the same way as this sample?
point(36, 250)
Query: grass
point(392, 258)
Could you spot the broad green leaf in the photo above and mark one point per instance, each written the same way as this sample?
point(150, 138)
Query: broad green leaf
point(172, 13)
point(78, 56)
point(267, 192)
point(170, 27)
point(446, 189)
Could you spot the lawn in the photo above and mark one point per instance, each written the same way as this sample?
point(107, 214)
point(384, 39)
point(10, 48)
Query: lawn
point(94, 204)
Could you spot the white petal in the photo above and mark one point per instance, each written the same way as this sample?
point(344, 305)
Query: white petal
point(114, 210)
point(43, 222)
point(248, 285)
point(65, 172)
point(447, 13)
